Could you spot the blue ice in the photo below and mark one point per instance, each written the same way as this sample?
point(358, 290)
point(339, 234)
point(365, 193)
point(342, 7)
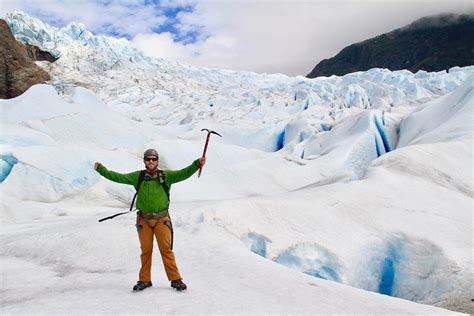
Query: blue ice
point(312, 260)
point(324, 272)
point(382, 133)
point(280, 140)
point(388, 271)
point(258, 243)
point(7, 162)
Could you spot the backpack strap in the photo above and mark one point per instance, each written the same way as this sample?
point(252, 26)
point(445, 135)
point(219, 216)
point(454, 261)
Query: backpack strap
point(141, 176)
point(161, 179)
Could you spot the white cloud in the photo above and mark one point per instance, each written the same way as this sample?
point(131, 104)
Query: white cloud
point(292, 36)
point(284, 36)
point(162, 45)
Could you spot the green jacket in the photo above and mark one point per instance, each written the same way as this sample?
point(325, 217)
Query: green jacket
point(151, 197)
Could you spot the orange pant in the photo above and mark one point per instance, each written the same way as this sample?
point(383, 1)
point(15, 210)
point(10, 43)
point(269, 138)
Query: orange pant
point(163, 237)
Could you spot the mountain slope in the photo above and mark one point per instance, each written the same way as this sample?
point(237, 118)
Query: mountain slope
point(18, 72)
point(430, 44)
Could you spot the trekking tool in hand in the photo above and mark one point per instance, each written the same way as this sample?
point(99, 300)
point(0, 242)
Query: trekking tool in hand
point(209, 132)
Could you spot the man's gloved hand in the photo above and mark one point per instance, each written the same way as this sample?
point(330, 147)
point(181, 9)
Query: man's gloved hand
point(97, 165)
point(202, 161)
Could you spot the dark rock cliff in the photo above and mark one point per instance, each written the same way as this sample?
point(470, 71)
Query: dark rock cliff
point(431, 43)
point(18, 71)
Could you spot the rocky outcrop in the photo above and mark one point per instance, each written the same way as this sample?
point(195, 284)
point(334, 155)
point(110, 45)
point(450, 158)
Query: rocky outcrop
point(432, 43)
point(37, 54)
point(18, 71)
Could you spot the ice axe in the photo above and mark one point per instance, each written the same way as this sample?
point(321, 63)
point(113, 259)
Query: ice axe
point(209, 132)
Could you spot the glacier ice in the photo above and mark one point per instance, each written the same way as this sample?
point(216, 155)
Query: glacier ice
point(312, 259)
point(7, 161)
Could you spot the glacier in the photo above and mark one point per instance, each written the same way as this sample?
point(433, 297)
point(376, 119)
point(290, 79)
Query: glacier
point(319, 189)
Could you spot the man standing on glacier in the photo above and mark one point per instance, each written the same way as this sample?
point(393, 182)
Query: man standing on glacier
point(153, 186)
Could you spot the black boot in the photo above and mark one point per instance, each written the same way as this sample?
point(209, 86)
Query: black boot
point(178, 285)
point(140, 286)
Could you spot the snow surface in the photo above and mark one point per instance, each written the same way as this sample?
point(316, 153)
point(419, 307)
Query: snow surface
point(330, 195)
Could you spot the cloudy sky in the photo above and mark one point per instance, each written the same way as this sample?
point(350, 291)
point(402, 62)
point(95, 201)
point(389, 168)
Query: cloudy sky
point(279, 36)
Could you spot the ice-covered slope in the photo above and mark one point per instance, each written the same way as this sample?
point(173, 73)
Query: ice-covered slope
point(163, 92)
point(364, 179)
point(52, 198)
point(35, 32)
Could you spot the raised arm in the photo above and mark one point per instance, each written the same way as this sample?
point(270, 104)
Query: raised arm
point(173, 176)
point(125, 178)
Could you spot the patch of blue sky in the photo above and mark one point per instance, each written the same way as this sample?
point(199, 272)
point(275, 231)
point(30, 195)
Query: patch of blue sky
point(108, 27)
point(172, 26)
point(172, 13)
point(113, 33)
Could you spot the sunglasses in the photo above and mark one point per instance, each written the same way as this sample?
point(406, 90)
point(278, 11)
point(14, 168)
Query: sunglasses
point(151, 159)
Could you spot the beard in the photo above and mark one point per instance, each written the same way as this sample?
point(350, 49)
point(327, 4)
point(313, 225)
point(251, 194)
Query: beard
point(151, 168)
